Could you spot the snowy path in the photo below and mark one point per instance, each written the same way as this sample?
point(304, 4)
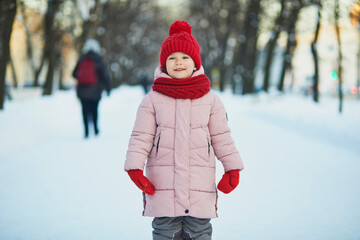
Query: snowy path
point(301, 177)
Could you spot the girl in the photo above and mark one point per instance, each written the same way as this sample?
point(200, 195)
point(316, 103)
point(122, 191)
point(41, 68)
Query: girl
point(180, 127)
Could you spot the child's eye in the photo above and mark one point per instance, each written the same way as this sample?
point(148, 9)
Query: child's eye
point(171, 58)
point(185, 57)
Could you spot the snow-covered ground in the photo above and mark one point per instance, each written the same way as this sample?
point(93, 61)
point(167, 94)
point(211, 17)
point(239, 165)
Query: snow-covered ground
point(301, 177)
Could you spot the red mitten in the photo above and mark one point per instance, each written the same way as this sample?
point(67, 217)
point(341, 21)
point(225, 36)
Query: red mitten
point(229, 181)
point(141, 181)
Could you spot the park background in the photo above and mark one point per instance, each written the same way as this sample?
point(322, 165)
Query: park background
point(299, 143)
point(303, 46)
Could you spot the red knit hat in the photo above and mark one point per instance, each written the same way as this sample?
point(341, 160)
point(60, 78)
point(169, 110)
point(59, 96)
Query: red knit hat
point(180, 40)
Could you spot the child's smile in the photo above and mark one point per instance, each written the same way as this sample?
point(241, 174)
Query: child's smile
point(179, 65)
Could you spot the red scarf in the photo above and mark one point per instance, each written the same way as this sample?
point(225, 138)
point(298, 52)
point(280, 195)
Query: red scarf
point(188, 88)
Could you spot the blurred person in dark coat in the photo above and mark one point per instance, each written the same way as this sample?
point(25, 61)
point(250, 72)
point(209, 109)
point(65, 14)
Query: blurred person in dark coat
point(92, 78)
point(145, 82)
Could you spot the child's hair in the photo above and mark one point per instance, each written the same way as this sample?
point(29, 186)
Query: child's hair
point(180, 40)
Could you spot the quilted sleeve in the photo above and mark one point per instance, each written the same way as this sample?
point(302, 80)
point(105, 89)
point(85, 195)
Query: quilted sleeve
point(142, 136)
point(221, 140)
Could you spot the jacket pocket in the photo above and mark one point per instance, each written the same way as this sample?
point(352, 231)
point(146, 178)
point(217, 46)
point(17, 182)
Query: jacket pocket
point(158, 143)
point(210, 152)
point(208, 149)
point(209, 146)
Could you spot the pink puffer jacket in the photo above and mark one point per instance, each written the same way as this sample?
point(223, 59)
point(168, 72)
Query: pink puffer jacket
point(178, 140)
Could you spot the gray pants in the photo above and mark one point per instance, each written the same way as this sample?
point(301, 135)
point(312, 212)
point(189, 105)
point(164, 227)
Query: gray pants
point(178, 228)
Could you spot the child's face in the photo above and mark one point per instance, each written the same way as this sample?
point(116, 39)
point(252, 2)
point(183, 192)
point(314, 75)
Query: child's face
point(180, 65)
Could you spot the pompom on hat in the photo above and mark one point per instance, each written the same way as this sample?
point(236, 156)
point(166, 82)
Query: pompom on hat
point(180, 40)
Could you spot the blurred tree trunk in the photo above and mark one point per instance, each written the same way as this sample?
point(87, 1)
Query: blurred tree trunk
point(91, 24)
point(272, 44)
point(29, 49)
point(13, 72)
point(132, 44)
point(60, 44)
point(50, 51)
point(247, 50)
point(61, 74)
point(315, 55)
point(232, 7)
point(337, 27)
point(61, 79)
point(213, 28)
point(38, 71)
point(7, 15)
point(208, 35)
point(291, 41)
point(59, 63)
